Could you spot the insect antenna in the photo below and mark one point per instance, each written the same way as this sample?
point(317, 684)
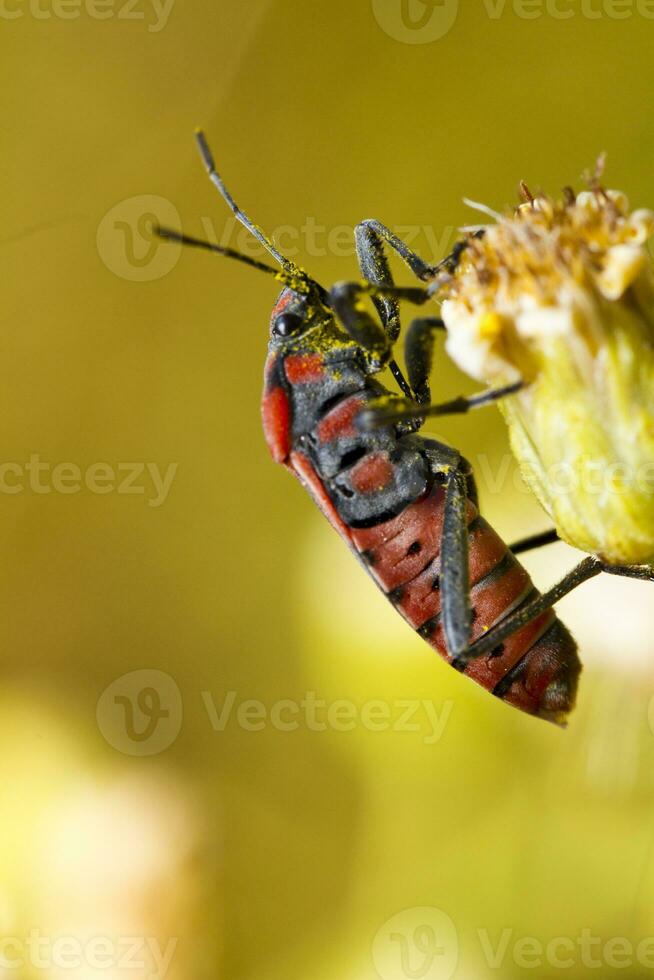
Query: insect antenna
point(291, 274)
point(216, 180)
point(170, 235)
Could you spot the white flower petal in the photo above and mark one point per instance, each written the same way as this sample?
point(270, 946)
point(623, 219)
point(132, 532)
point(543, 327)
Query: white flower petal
point(622, 266)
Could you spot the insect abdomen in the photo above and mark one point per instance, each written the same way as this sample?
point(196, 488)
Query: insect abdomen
point(378, 492)
point(536, 668)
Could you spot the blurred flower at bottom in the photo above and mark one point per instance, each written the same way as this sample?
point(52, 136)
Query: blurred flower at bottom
point(101, 875)
point(117, 861)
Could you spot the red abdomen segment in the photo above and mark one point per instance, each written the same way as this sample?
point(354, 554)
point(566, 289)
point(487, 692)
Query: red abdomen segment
point(537, 668)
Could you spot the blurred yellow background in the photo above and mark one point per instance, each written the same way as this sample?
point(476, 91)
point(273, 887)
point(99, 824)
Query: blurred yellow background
point(142, 796)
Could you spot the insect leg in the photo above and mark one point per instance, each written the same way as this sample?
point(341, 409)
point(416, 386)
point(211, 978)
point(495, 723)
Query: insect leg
point(378, 415)
point(643, 572)
point(419, 354)
point(376, 338)
point(534, 541)
point(455, 572)
point(450, 262)
point(375, 268)
point(370, 236)
point(587, 569)
point(345, 300)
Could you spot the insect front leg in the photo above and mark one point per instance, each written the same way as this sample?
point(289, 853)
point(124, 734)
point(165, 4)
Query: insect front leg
point(346, 299)
point(371, 236)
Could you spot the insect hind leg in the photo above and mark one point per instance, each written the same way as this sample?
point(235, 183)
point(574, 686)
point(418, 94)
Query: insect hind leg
point(449, 468)
point(455, 472)
point(530, 610)
point(643, 572)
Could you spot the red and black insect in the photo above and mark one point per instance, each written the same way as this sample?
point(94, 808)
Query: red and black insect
point(406, 505)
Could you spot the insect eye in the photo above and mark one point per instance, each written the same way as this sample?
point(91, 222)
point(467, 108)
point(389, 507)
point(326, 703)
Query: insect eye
point(286, 324)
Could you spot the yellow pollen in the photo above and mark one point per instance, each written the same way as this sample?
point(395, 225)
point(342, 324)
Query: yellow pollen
point(490, 326)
